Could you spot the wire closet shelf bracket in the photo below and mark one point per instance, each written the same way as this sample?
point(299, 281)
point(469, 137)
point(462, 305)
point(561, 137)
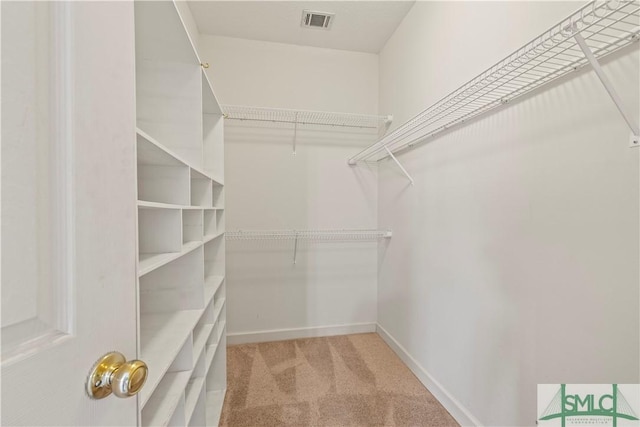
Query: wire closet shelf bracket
point(324, 235)
point(306, 117)
point(594, 31)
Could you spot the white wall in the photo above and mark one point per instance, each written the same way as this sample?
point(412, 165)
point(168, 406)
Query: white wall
point(515, 256)
point(269, 188)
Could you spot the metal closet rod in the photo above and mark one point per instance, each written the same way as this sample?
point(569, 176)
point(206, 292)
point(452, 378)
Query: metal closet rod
point(593, 31)
point(305, 117)
point(347, 234)
point(343, 234)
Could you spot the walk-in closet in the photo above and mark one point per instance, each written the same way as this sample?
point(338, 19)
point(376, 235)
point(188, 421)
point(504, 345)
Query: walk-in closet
point(321, 213)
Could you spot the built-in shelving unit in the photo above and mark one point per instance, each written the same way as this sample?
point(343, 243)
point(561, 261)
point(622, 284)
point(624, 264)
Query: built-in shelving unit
point(181, 266)
point(592, 32)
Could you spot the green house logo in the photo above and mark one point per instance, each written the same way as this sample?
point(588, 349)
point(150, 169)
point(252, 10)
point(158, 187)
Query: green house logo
point(583, 406)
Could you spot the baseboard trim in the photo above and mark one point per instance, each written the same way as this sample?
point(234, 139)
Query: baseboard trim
point(295, 333)
point(451, 404)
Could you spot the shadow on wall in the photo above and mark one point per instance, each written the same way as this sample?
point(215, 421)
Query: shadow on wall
point(575, 92)
point(248, 131)
point(268, 188)
point(517, 250)
point(331, 283)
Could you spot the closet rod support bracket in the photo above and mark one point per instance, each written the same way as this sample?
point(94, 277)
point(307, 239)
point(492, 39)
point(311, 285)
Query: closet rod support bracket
point(387, 124)
point(295, 135)
point(634, 140)
point(404, 171)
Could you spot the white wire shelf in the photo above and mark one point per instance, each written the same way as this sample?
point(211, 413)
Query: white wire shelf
point(320, 235)
point(308, 234)
point(600, 27)
point(303, 117)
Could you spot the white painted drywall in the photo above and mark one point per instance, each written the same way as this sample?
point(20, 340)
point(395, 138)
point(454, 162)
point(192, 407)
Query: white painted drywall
point(266, 187)
point(515, 256)
point(362, 26)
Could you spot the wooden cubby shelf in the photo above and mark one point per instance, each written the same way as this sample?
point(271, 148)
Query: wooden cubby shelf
point(181, 260)
point(192, 225)
point(151, 151)
point(210, 224)
point(212, 284)
point(200, 341)
point(201, 190)
point(155, 205)
point(152, 261)
point(213, 346)
point(164, 336)
point(194, 391)
point(160, 409)
point(198, 418)
point(215, 400)
point(211, 237)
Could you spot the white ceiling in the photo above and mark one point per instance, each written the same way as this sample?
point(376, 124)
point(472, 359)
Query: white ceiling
point(362, 26)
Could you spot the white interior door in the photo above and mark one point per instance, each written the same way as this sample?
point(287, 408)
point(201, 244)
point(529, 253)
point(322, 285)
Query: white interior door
point(68, 208)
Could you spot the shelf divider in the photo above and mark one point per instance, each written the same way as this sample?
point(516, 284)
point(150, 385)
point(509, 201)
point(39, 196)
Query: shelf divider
point(152, 261)
point(160, 407)
point(162, 336)
point(191, 396)
point(215, 400)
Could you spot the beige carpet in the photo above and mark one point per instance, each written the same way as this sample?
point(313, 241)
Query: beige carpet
point(349, 380)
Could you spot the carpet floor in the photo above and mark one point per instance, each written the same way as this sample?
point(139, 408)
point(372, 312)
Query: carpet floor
point(349, 380)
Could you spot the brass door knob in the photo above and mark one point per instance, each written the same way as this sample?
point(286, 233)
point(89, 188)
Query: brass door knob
point(113, 374)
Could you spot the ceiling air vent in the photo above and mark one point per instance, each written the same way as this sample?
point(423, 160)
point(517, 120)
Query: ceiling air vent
point(313, 19)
